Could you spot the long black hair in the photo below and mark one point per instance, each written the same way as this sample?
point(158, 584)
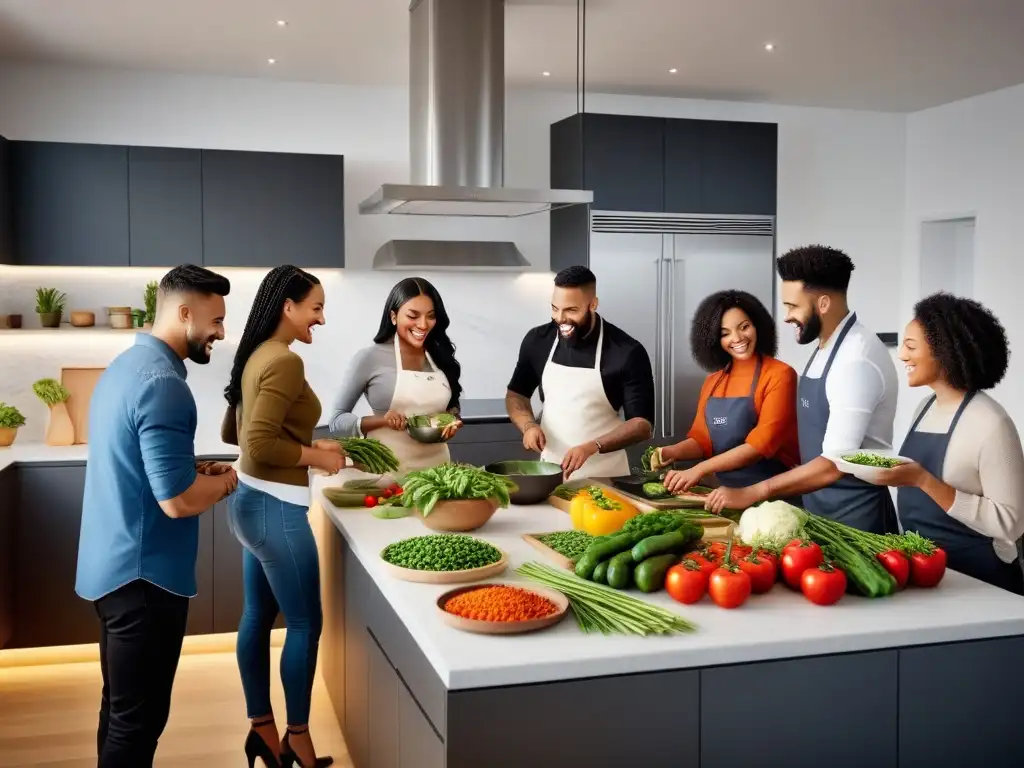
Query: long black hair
point(706, 331)
point(280, 284)
point(440, 347)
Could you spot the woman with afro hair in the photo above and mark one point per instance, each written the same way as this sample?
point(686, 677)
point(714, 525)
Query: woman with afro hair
point(965, 487)
point(745, 429)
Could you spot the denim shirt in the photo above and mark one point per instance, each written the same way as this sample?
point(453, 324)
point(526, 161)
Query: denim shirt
point(142, 425)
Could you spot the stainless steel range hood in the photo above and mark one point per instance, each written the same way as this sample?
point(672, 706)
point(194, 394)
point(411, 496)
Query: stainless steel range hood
point(458, 255)
point(457, 119)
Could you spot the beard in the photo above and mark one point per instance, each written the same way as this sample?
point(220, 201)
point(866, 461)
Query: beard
point(197, 347)
point(579, 330)
point(811, 330)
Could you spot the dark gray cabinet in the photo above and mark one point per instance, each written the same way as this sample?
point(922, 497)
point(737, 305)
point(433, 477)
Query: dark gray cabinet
point(382, 708)
point(70, 204)
point(165, 192)
point(357, 659)
point(200, 607)
point(263, 209)
point(738, 168)
point(419, 746)
point(47, 610)
point(8, 546)
point(683, 166)
point(481, 444)
point(6, 209)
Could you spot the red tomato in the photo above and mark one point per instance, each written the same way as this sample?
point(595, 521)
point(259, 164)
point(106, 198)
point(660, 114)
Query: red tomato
point(370, 501)
point(388, 493)
point(729, 588)
point(399, 490)
point(761, 572)
point(898, 566)
point(395, 489)
point(718, 549)
point(823, 585)
point(927, 570)
point(797, 557)
point(686, 582)
point(706, 564)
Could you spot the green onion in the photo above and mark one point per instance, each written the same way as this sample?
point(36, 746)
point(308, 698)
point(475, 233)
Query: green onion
point(602, 609)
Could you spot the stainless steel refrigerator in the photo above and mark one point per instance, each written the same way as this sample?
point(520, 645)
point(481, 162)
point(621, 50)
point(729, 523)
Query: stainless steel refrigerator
point(652, 272)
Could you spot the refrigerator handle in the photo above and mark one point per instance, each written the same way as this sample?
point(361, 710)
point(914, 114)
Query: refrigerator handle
point(672, 342)
point(659, 369)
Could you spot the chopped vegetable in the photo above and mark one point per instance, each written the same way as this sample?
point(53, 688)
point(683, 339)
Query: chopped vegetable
point(445, 482)
point(441, 552)
point(872, 460)
point(369, 452)
point(570, 544)
point(603, 609)
point(500, 602)
point(656, 491)
point(565, 492)
point(434, 420)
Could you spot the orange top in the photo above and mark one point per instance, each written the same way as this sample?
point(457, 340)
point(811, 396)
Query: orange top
point(775, 435)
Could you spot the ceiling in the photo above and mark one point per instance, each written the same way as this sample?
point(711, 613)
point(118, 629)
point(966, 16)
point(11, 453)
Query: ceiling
point(894, 55)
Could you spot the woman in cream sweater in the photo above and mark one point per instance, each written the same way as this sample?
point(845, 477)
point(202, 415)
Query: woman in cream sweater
point(965, 489)
point(274, 413)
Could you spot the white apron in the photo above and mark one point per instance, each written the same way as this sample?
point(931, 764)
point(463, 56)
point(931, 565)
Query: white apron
point(417, 393)
point(576, 411)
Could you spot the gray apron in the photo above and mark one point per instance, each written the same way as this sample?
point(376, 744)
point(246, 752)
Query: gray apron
point(729, 420)
point(848, 500)
point(967, 551)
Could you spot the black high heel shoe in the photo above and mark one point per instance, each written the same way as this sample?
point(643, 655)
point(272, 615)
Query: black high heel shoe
point(289, 758)
point(256, 747)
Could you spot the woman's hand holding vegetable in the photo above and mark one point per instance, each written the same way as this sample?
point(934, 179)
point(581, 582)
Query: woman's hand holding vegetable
point(329, 460)
point(449, 431)
point(680, 481)
point(394, 420)
point(660, 459)
point(731, 498)
point(902, 476)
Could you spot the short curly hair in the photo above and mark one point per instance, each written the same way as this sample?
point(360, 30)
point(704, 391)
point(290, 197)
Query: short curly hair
point(818, 267)
point(966, 339)
point(706, 330)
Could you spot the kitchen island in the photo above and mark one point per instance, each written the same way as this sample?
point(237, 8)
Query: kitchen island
point(926, 677)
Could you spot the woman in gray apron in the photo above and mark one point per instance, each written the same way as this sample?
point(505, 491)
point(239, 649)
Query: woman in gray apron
point(745, 428)
point(968, 462)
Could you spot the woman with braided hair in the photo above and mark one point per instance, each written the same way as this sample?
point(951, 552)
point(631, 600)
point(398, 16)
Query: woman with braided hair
point(965, 487)
point(272, 412)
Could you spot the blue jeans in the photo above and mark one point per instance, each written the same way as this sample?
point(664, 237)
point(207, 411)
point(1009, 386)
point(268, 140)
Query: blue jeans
point(280, 571)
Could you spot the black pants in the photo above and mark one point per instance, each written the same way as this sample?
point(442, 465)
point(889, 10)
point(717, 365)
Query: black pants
point(142, 628)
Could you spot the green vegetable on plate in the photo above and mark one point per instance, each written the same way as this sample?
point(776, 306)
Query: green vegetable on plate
point(872, 460)
point(570, 544)
point(424, 488)
point(441, 552)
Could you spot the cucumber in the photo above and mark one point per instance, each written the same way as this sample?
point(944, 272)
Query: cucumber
point(674, 542)
point(342, 498)
point(620, 568)
point(656, 491)
point(390, 512)
point(600, 572)
point(603, 550)
point(649, 576)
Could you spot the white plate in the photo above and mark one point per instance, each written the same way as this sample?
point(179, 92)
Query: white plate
point(860, 471)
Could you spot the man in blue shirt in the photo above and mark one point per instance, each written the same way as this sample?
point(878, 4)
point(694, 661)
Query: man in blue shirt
point(140, 525)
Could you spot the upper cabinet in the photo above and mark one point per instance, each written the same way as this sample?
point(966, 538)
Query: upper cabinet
point(104, 205)
point(263, 209)
point(6, 211)
point(660, 165)
point(70, 204)
point(165, 193)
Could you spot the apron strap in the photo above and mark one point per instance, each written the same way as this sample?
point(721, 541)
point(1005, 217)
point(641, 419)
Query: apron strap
point(430, 360)
point(839, 343)
point(600, 345)
point(956, 417)
point(921, 415)
point(726, 372)
point(757, 377)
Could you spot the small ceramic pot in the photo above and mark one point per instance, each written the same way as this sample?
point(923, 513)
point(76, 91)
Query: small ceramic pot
point(12, 321)
point(82, 319)
point(7, 435)
point(50, 319)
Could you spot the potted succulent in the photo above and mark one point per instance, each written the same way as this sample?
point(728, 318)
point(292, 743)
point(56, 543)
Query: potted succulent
point(150, 300)
point(10, 420)
point(50, 306)
point(60, 431)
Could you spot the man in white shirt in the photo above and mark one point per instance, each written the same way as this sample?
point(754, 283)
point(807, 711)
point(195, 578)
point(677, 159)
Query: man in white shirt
point(846, 399)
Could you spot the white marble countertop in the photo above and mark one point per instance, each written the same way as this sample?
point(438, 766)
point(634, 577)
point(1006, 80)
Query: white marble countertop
point(781, 624)
point(37, 453)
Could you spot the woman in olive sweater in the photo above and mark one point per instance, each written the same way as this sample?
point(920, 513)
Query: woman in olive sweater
point(272, 413)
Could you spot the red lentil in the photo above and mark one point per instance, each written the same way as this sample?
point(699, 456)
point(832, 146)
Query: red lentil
point(500, 603)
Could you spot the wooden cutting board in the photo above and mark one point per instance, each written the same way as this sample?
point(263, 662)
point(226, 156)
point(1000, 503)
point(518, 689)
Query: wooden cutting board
point(80, 383)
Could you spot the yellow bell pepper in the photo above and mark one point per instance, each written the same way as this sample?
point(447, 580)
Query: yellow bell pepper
point(600, 512)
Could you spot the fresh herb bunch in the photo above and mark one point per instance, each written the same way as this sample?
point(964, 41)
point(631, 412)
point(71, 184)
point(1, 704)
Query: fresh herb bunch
point(453, 482)
point(570, 544)
point(370, 453)
point(441, 552)
point(49, 301)
point(149, 298)
point(10, 417)
point(655, 523)
point(51, 391)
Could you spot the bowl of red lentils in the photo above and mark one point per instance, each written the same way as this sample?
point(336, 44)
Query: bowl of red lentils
point(502, 609)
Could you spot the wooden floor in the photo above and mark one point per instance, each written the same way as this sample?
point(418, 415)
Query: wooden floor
point(48, 716)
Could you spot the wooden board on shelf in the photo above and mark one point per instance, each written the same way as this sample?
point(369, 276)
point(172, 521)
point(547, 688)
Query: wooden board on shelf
point(80, 383)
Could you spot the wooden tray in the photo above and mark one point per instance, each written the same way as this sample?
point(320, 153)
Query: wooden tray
point(555, 557)
point(80, 383)
point(504, 627)
point(446, 577)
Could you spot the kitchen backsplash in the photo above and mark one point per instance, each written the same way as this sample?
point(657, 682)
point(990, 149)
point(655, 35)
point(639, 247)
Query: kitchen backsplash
point(489, 312)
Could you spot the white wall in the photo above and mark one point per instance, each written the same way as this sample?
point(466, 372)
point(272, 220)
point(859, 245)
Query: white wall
point(840, 182)
point(967, 159)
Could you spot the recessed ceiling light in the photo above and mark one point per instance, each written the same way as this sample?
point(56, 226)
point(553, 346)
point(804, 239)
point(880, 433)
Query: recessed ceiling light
point(282, 23)
point(769, 46)
point(673, 70)
point(546, 74)
point(271, 61)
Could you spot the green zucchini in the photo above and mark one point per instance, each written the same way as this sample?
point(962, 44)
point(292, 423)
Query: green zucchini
point(600, 572)
point(649, 576)
point(620, 569)
point(603, 550)
point(664, 543)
